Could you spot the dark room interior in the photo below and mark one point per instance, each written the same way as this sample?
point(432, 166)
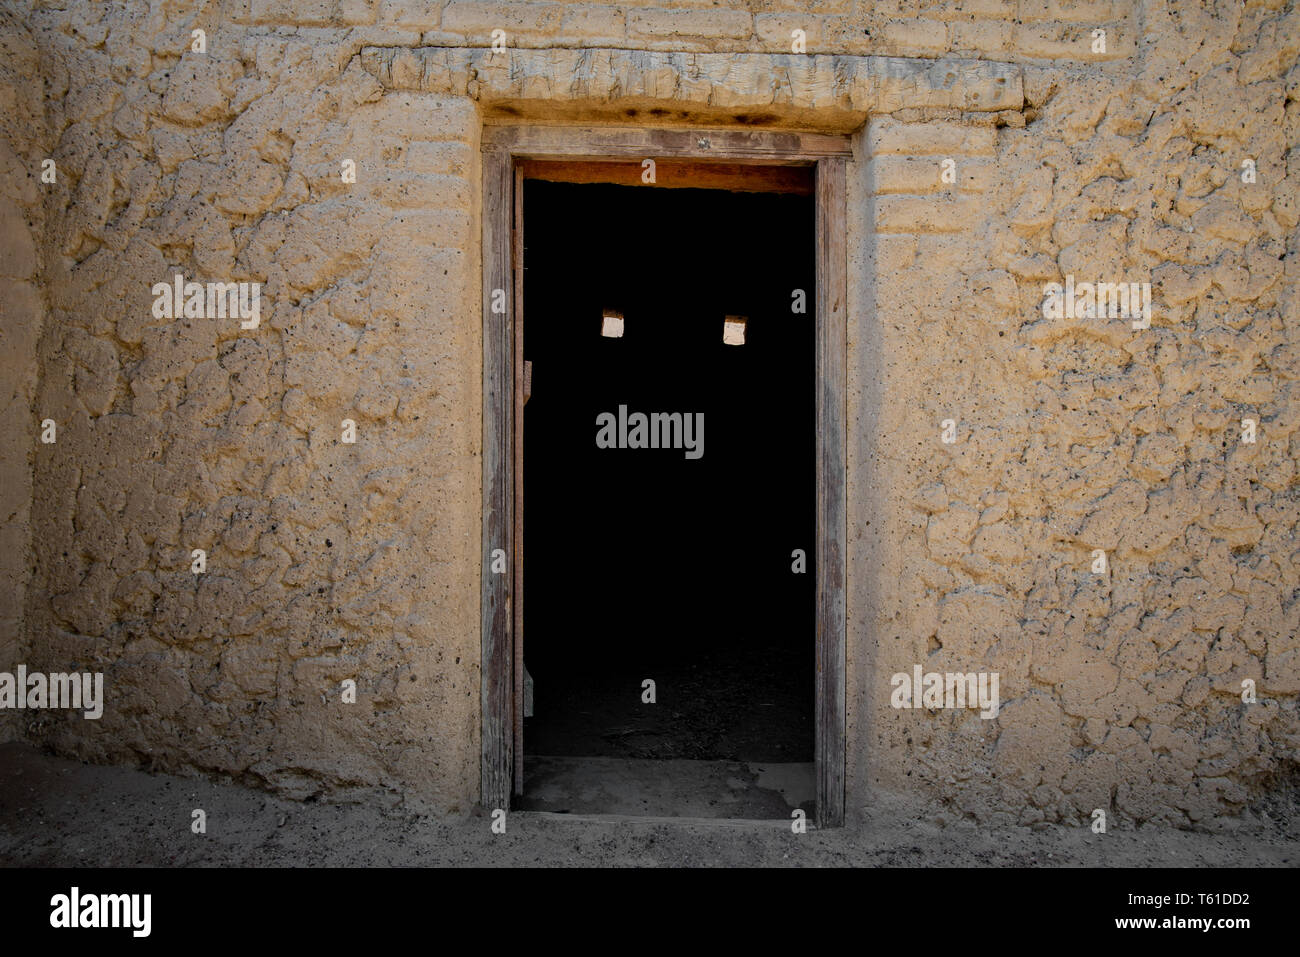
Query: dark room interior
point(644, 563)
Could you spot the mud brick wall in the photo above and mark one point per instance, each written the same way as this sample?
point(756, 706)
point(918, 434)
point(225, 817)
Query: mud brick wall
point(327, 560)
point(24, 142)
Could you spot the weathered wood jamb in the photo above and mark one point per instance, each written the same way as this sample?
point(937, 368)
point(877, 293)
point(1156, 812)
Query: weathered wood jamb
point(517, 519)
point(832, 519)
point(498, 483)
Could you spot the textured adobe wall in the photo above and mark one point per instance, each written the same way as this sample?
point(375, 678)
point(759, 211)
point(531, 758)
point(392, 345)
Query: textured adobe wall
point(328, 561)
point(1121, 691)
point(23, 142)
point(325, 560)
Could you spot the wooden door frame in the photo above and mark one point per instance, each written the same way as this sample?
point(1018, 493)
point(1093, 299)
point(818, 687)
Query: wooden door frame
point(504, 147)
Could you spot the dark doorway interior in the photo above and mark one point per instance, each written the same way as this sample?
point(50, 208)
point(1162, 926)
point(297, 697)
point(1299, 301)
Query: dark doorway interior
point(641, 563)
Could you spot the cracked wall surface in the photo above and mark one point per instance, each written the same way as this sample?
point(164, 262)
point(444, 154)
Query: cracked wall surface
point(328, 560)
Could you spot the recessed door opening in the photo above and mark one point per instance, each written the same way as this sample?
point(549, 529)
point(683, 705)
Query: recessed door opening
point(690, 566)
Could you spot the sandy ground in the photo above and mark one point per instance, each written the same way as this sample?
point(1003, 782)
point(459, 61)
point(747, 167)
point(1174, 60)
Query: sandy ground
point(55, 812)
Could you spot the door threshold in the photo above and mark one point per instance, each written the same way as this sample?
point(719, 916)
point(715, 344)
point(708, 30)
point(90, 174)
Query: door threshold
point(671, 789)
point(728, 822)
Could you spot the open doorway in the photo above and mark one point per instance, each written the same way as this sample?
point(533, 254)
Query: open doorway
point(766, 160)
point(690, 566)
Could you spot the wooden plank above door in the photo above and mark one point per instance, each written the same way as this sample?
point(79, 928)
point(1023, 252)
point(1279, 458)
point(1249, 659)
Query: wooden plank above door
point(564, 142)
point(677, 174)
